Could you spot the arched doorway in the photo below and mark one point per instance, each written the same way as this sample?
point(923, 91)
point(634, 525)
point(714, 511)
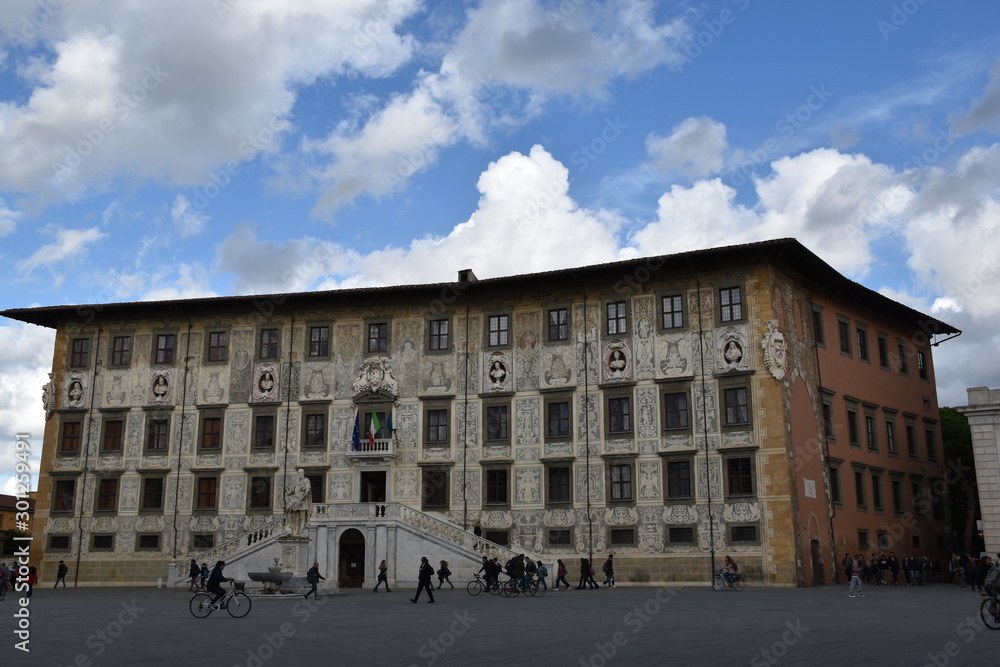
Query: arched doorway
point(351, 564)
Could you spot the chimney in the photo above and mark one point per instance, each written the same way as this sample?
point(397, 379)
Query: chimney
point(466, 276)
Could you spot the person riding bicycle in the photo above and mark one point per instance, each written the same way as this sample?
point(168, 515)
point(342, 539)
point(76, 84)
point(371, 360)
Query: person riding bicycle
point(729, 570)
point(215, 579)
point(992, 579)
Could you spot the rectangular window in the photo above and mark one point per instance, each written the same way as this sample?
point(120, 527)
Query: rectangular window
point(70, 443)
point(378, 337)
point(896, 488)
point(382, 432)
point(871, 438)
point(207, 487)
point(263, 437)
point(499, 330)
point(319, 341)
point(63, 495)
point(731, 304)
point(863, 540)
point(156, 434)
point(844, 334)
point(316, 487)
point(496, 486)
point(560, 537)
point(617, 318)
point(437, 427)
point(679, 479)
point(497, 422)
point(268, 348)
point(876, 492)
point(883, 352)
point(501, 537)
point(737, 406)
point(102, 542)
point(818, 332)
point(107, 495)
point(621, 481)
point(121, 351)
point(911, 441)
point(680, 534)
point(853, 428)
point(918, 504)
point(558, 420)
point(904, 364)
point(434, 494)
point(859, 489)
point(743, 533)
point(675, 411)
point(217, 342)
point(739, 474)
point(619, 415)
point(315, 430)
point(152, 493)
point(622, 536)
point(558, 484)
point(112, 441)
point(79, 352)
point(921, 365)
point(828, 427)
point(439, 339)
point(559, 324)
point(148, 542)
point(883, 540)
point(862, 336)
point(260, 493)
point(890, 437)
point(58, 542)
point(673, 311)
point(211, 433)
point(202, 541)
point(165, 348)
point(931, 441)
point(835, 496)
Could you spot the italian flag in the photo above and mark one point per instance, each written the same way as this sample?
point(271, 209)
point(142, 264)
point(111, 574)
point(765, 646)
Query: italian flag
point(375, 426)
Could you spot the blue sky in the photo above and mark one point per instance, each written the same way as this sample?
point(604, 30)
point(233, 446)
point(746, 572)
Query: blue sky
point(195, 148)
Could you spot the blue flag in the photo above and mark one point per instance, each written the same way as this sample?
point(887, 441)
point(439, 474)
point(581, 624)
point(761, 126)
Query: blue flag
point(356, 438)
point(388, 425)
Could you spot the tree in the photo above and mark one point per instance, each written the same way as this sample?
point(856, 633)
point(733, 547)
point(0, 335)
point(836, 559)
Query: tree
point(963, 491)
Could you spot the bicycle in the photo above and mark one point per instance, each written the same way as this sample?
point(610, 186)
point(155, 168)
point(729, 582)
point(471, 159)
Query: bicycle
point(478, 586)
point(719, 581)
point(989, 611)
point(235, 601)
point(958, 577)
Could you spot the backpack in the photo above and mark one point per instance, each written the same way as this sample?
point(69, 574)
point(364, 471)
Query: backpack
point(992, 575)
point(543, 572)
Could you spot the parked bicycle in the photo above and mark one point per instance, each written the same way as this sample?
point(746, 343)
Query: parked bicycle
point(719, 581)
point(235, 601)
point(958, 577)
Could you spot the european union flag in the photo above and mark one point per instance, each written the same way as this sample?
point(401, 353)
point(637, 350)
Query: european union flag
point(356, 438)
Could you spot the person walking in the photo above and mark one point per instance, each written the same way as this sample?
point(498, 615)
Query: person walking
point(32, 579)
point(383, 578)
point(561, 573)
point(443, 575)
point(477, 530)
point(542, 572)
point(586, 575)
point(313, 577)
point(856, 571)
point(63, 571)
point(424, 581)
point(609, 571)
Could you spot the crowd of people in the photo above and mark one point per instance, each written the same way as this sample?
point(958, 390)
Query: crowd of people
point(882, 568)
point(24, 583)
point(525, 571)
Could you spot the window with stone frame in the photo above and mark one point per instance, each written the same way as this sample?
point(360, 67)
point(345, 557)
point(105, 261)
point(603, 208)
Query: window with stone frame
point(871, 431)
point(681, 534)
point(819, 332)
point(147, 542)
point(891, 443)
point(267, 347)
point(672, 311)
point(736, 406)
point(69, 442)
point(930, 439)
point(859, 489)
point(121, 351)
point(107, 495)
point(152, 494)
point(59, 542)
point(676, 415)
point(558, 484)
point(63, 495)
point(560, 537)
point(264, 431)
point(157, 432)
point(558, 322)
point(206, 493)
point(314, 430)
point(79, 352)
point(498, 330)
point(679, 479)
point(877, 491)
point(497, 420)
point(437, 428)
point(744, 534)
point(620, 482)
point(102, 542)
point(921, 365)
point(378, 337)
point(861, 333)
point(618, 406)
point(739, 476)
point(883, 351)
point(731, 304)
point(622, 537)
point(558, 413)
point(896, 489)
point(114, 431)
point(260, 492)
point(911, 439)
point(853, 426)
point(439, 335)
point(163, 353)
point(319, 341)
point(616, 318)
point(434, 489)
point(497, 483)
point(836, 496)
point(844, 335)
point(317, 486)
point(218, 343)
point(211, 431)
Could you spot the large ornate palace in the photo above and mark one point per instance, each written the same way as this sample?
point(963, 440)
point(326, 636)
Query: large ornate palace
point(746, 400)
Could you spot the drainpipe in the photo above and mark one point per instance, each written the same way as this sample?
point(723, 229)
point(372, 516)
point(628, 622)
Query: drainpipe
point(704, 418)
point(586, 425)
point(180, 439)
point(465, 430)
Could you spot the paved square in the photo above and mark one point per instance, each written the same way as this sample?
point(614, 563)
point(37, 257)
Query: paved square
point(936, 625)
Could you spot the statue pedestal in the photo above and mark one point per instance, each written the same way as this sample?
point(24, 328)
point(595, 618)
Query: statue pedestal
point(295, 554)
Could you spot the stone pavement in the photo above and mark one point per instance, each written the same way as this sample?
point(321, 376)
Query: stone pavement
point(932, 625)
